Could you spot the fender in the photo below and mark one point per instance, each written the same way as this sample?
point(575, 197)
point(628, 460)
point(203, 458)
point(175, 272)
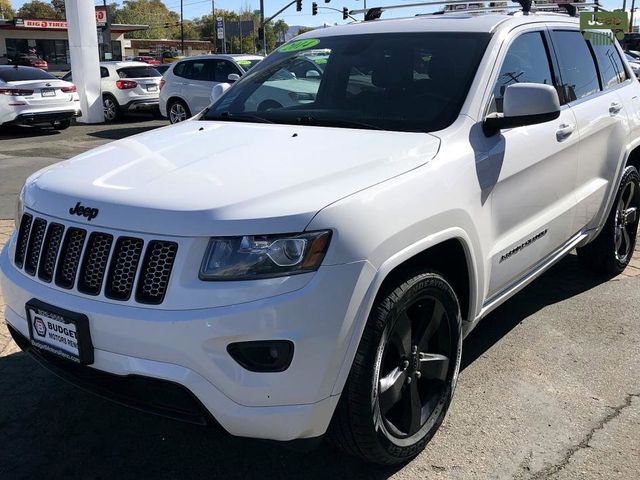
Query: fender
point(606, 208)
point(360, 320)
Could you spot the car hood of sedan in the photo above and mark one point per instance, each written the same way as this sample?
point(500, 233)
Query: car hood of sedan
point(223, 178)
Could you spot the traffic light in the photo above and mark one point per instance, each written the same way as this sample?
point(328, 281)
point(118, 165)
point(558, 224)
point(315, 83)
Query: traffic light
point(345, 13)
point(314, 8)
point(298, 5)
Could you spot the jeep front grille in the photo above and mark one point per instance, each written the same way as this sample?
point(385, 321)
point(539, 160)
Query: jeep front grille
point(72, 257)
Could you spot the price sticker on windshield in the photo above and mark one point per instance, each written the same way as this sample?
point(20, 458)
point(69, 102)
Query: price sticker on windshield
point(298, 45)
point(616, 22)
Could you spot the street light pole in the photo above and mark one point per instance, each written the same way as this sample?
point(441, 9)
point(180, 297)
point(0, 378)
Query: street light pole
point(263, 40)
point(633, 7)
point(215, 26)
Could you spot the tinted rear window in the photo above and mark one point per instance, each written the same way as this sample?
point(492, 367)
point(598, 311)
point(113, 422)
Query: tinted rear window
point(13, 74)
point(138, 72)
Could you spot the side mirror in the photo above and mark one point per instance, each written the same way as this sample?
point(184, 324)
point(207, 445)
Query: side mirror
point(233, 77)
point(218, 90)
point(524, 104)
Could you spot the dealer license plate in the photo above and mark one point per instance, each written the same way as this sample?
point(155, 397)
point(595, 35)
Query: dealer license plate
point(48, 92)
point(152, 88)
point(60, 332)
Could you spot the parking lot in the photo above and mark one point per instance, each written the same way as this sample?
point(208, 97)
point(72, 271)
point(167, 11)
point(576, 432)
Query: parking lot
point(550, 385)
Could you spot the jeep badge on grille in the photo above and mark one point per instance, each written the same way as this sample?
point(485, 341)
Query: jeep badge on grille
point(81, 211)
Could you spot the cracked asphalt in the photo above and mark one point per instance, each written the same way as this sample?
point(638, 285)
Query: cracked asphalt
point(550, 389)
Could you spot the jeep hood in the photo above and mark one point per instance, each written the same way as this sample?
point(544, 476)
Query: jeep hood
point(223, 178)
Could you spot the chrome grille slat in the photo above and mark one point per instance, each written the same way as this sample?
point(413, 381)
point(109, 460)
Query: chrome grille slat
point(70, 257)
point(23, 239)
point(50, 250)
point(95, 262)
point(35, 245)
point(155, 272)
point(124, 265)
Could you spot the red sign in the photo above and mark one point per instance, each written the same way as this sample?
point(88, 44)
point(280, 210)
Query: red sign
point(101, 21)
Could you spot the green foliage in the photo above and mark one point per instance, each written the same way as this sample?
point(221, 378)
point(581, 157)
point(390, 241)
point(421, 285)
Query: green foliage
point(6, 10)
point(38, 9)
point(162, 22)
point(58, 6)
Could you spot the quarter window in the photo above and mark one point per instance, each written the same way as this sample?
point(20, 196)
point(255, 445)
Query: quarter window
point(609, 62)
point(525, 61)
point(577, 68)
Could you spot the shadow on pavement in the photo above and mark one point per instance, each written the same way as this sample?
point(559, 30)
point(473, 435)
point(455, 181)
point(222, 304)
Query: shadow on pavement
point(12, 132)
point(115, 133)
point(51, 430)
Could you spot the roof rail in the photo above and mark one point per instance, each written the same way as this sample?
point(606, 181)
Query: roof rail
point(526, 6)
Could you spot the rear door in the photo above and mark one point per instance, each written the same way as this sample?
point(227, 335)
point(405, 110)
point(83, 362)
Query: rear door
point(197, 77)
point(530, 172)
point(600, 114)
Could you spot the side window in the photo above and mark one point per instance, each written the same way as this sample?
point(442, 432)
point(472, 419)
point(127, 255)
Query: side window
point(178, 70)
point(526, 61)
point(222, 70)
point(199, 70)
point(609, 62)
point(104, 73)
point(577, 68)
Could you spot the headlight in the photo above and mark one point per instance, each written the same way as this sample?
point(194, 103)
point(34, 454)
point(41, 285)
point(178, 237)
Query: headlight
point(19, 209)
point(263, 256)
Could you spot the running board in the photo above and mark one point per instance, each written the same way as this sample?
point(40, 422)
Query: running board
point(499, 297)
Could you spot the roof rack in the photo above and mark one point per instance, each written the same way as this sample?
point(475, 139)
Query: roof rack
point(526, 6)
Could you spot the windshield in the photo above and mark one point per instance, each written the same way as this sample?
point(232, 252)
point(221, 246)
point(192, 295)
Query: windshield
point(413, 82)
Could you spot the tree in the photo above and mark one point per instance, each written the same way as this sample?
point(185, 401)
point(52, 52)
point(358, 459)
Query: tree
point(58, 6)
point(302, 30)
point(280, 29)
point(6, 10)
point(38, 9)
point(162, 22)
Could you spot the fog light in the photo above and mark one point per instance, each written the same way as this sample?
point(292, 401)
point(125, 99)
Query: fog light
point(263, 355)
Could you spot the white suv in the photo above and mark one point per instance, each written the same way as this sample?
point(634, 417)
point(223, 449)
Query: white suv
point(314, 268)
point(186, 86)
point(127, 87)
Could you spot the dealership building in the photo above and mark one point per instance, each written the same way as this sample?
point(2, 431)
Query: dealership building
point(49, 40)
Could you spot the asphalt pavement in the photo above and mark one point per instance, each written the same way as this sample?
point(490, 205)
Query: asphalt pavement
point(550, 388)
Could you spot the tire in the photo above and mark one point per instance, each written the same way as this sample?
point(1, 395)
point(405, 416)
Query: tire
point(61, 124)
point(112, 111)
point(613, 248)
point(372, 420)
point(178, 111)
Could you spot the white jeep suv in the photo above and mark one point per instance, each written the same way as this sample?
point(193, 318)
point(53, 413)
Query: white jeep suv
point(311, 269)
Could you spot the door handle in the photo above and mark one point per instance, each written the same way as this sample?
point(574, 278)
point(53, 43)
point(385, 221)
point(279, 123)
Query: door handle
point(564, 131)
point(615, 108)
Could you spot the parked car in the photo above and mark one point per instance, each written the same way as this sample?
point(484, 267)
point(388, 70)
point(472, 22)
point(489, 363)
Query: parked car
point(127, 87)
point(28, 60)
point(31, 96)
point(634, 63)
point(186, 87)
point(171, 56)
point(147, 59)
point(313, 269)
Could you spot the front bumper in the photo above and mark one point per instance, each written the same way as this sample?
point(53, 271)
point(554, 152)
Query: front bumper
point(188, 347)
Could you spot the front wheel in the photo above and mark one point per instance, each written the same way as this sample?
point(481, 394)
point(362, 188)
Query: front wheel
point(612, 249)
point(404, 373)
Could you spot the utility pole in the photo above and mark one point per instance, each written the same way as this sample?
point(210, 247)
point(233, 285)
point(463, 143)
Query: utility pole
point(262, 30)
point(215, 26)
point(182, 26)
point(633, 7)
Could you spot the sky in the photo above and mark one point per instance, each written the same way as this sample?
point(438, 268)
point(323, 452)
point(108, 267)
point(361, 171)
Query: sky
point(197, 8)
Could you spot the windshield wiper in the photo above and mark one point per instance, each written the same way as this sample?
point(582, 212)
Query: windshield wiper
point(239, 117)
point(334, 122)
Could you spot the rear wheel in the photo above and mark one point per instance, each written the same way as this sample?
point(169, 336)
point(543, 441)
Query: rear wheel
point(178, 111)
point(404, 374)
point(111, 109)
point(612, 249)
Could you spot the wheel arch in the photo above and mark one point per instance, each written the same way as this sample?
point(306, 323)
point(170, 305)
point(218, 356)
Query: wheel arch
point(450, 253)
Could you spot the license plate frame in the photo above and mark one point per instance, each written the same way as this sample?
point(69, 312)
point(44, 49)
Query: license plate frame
point(37, 309)
point(48, 92)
